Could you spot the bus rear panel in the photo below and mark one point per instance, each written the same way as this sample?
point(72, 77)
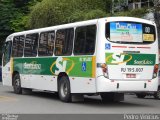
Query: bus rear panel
point(127, 56)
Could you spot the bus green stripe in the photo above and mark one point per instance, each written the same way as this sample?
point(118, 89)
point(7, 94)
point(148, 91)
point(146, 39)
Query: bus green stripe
point(74, 66)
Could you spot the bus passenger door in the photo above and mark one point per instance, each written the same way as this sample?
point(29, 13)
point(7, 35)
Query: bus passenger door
point(6, 64)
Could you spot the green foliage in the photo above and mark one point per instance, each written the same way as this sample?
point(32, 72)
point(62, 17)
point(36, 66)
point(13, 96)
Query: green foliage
point(133, 13)
point(6, 15)
point(19, 24)
point(79, 15)
point(14, 16)
point(56, 12)
point(21, 19)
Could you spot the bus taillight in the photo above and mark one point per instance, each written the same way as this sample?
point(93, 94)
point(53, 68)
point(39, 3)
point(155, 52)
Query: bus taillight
point(105, 70)
point(155, 71)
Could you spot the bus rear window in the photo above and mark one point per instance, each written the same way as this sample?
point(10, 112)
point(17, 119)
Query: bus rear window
point(130, 32)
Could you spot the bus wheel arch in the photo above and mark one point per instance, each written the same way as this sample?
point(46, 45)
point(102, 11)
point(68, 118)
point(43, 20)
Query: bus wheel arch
point(64, 89)
point(16, 83)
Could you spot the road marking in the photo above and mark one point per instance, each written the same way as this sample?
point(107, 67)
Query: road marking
point(6, 98)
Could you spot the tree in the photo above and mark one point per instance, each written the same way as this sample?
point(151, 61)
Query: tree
point(13, 16)
point(56, 12)
point(23, 9)
point(7, 12)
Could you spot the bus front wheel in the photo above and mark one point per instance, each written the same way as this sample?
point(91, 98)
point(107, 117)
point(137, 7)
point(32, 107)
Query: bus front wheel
point(64, 89)
point(17, 84)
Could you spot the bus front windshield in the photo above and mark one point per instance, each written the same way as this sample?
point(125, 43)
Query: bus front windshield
point(130, 32)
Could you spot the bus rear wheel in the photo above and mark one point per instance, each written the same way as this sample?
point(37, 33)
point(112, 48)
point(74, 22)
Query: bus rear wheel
point(157, 94)
point(141, 95)
point(64, 89)
point(17, 84)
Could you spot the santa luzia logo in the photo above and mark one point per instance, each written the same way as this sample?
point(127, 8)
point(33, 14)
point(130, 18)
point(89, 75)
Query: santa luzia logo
point(62, 65)
point(118, 58)
point(32, 66)
point(130, 59)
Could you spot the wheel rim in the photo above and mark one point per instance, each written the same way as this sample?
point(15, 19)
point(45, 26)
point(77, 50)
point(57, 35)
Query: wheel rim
point(64, 89)
point(17, 84)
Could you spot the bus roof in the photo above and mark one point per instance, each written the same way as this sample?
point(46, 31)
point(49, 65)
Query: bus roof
point(81, 23)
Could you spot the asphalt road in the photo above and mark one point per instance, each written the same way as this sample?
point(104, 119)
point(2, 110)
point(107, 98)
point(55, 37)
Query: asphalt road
point(48, 103)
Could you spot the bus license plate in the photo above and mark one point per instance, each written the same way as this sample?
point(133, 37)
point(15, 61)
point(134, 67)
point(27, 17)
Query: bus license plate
point(132, 70)
point(130, 75)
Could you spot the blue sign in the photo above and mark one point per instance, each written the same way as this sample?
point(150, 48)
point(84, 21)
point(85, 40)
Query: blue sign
point(84, 66)
point(126, 32)
point(107, 46)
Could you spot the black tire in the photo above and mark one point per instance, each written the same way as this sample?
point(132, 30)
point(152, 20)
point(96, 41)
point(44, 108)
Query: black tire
point(17, 84)
point(26, 91)
point(107, 97)
point(141, 95)
point(157, 94)
point(64, 89)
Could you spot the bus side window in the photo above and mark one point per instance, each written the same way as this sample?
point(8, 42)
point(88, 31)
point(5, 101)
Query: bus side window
point(85, 38)
point(46, 44)
point(18, 45)
point(31, 44)
point(64, 42)
point(7, 53)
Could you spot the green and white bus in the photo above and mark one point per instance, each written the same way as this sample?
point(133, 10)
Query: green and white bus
point(107, 56)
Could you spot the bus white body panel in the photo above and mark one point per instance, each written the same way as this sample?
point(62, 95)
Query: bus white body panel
point(49, 83)
point(6, 75)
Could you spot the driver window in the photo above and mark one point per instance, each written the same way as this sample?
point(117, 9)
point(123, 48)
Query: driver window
point(7, 52)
